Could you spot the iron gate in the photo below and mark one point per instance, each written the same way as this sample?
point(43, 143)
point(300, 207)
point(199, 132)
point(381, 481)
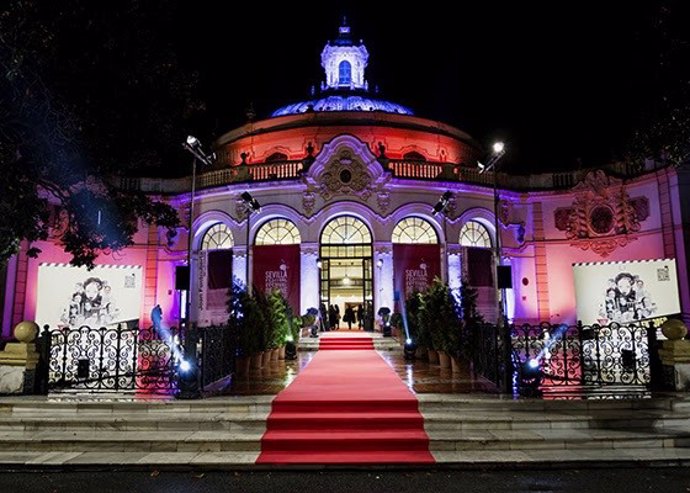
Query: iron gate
point(116, 358)
point(559, 356)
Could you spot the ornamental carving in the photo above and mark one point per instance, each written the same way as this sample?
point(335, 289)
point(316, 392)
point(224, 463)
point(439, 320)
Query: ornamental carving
point(308, 202)
point(346, 166)
point(383, 199)
point(602, 217)
point(344, 176)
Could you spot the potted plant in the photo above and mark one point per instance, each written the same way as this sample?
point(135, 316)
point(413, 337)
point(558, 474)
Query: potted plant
point(419, 337)
point(440, 316)
point(237, 298)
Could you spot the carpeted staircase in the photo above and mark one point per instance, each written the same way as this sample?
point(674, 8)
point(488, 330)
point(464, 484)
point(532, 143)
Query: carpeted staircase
point(347, 407)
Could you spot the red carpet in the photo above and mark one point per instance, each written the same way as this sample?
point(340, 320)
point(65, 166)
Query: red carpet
point(346, 407)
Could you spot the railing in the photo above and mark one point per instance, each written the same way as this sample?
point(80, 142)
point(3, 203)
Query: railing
point(423, 170)
point(587, 356)
point(110, 359)
point(218, 351)
point(549, 357)
point(281, 170)
point(400, 168)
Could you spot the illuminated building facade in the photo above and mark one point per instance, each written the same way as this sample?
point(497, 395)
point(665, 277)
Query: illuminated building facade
point(347, 182)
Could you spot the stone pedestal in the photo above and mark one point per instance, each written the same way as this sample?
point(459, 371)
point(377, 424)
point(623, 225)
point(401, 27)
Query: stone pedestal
point(19, 360)
point(675, 356)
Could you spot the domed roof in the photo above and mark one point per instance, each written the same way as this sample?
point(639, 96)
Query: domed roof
point(343, 103)
point(345, 88)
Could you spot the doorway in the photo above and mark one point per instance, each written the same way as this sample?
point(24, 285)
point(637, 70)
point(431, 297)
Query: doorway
point(347, 273)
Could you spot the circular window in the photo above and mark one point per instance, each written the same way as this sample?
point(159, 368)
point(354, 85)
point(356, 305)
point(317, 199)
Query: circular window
point(345, 176)
point(601, 219)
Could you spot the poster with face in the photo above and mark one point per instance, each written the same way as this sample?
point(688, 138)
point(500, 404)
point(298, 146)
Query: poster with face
point(71, 296)
point(625, 292)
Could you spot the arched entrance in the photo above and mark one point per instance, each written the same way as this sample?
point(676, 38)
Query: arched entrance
point(479, 266)
point(215, 274)
point(277, 260)
point(347, 271)
point(416, 258)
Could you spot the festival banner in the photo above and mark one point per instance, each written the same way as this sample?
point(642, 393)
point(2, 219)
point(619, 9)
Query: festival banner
point(69, 296)
point(415, 267)
point(278, 266)
point(626, 292)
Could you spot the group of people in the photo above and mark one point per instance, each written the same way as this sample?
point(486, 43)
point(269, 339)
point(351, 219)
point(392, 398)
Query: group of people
point(627, 300)
point(331, 317)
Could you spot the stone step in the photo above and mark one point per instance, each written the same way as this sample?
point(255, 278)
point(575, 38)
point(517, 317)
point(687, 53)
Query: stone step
point(137, 421)
point(218, 441)
point(465, 402)
point(246, 460)
point(104, 404)
point(456, 420)
point(135, 441)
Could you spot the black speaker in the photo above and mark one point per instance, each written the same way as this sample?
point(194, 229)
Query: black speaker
point(504, 276)
point(182, 277)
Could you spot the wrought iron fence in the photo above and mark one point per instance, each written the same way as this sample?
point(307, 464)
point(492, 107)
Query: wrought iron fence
point(567, 355)
point(485, 352)
point(559, 356)
point(218, 350)
point(116, 358)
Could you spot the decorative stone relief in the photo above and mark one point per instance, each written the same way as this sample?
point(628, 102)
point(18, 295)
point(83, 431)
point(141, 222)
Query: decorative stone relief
point(511, 214)
point(383, 198)
point(240, 209)
point(347, 167)
point(308, 202)
point(602, 216)
point(344, 176)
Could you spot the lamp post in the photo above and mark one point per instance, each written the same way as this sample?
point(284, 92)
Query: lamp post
point(441, 207)
point(498, 149)
point(252, 205)
point(188, 369)
point(193, 145)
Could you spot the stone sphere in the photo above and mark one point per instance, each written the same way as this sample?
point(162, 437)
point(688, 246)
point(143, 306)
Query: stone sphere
point(26, 331)
point(674, 329)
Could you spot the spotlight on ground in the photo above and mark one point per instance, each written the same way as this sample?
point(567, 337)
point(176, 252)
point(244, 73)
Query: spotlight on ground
point(409, 349)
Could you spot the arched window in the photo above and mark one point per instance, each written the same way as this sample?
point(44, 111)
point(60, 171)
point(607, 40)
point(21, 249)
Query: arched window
point(345, 230)
point(475, 234)
point(278, 232)
point(344, 73)
point(414, 230)
point(413, 156)
point(218, 237)
point(276, 157)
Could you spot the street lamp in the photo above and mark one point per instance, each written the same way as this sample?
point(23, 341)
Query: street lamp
point(189, 377)
point(442, 207)
point(193, 145)
point(498, 149)
point(252, 205)
point(498, 152)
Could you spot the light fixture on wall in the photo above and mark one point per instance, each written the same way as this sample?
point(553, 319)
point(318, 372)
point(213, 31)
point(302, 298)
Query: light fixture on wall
point(319, 263)
point(379, 263)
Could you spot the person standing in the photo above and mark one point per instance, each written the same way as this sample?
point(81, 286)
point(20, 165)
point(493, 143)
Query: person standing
point(360, 316)
point(337, 316)
point(349, 317)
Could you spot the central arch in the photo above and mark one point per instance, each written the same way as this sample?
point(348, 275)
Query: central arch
point(347, 277)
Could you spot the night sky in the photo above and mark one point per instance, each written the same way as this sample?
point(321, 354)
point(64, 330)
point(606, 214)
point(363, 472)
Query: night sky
point(563, 83)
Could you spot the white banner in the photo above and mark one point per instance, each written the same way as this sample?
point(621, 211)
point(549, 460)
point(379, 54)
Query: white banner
point(627, 291)
point(71, 296)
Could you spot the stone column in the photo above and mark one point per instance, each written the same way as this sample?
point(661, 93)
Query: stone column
point(18, 361)
point(675, 355)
